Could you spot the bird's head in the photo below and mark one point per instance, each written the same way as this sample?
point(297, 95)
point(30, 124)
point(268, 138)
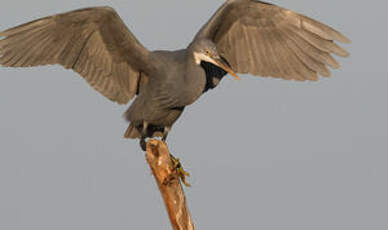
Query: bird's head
point(206, 51)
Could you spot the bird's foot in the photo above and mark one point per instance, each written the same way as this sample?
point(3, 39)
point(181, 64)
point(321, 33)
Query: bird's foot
point(143, 144)
point(180, 171)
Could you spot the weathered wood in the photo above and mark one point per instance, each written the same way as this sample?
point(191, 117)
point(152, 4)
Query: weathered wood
point(166, 176)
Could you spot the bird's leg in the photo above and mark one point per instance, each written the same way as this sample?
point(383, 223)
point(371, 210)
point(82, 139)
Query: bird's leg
point(165, 133)
point(144, 131)
point(180, 171)
point(175, 161)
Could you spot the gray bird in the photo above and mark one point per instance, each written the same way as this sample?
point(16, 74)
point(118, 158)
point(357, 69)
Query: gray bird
point(243, 36)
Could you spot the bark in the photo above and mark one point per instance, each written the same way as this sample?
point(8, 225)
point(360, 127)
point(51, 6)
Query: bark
point(167, 178)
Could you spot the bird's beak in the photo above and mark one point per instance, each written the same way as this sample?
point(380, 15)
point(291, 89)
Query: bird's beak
point(222, 64)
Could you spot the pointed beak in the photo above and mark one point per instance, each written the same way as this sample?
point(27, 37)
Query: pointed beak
point(222, 64)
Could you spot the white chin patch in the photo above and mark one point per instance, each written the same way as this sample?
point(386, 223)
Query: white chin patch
point(202, 57)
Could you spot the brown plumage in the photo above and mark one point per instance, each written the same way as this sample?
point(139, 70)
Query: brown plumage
point(93, 42)
point(243, 36)
point(267, 40)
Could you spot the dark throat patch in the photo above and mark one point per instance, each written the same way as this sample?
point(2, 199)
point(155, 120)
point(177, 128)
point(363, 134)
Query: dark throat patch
point(214, 74)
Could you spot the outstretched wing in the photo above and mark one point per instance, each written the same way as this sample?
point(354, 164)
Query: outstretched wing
point(267, 40)
point(93, 42)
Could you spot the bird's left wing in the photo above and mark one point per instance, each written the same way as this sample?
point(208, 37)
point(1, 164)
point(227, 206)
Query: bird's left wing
point(263, 39)
point(94, 42)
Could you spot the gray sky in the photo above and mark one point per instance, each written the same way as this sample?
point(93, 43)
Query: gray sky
point(263, 153)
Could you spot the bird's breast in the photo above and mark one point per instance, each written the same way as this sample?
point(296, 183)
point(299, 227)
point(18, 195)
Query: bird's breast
point(194, 84)
point(180, 81)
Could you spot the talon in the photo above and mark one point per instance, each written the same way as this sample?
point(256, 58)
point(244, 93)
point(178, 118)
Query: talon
point(180, 171)
point(182, 175)
point(143, 144)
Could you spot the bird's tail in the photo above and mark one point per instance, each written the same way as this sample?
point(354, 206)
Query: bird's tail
point(132, 132)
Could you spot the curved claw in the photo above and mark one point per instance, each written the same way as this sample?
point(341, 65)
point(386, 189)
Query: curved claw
point(180, 171)
point(182, 175)
point(143, 144)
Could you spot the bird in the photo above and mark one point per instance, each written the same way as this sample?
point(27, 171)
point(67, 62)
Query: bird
point(242, 37)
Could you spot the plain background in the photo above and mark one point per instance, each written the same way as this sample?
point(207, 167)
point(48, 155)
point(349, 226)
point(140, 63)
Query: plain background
point(263, 153)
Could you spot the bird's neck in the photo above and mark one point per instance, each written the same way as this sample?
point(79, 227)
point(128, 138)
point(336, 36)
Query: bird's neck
point(194, 78)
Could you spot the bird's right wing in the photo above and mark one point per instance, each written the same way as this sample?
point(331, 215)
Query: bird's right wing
point(93, 42)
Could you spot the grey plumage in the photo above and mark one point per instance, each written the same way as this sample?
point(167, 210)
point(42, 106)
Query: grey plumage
point(243, 36)
point(267, 40)
point(93, 42)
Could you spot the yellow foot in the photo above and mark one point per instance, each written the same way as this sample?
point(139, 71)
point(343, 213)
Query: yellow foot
point(180, 171)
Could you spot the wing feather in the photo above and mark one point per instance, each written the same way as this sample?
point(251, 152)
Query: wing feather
point(94, 42)
point(267, 40)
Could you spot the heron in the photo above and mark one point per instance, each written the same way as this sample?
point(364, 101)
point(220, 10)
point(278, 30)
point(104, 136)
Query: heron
point(242, 37)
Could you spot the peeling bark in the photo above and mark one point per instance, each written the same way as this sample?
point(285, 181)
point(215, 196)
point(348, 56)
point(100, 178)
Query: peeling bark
point(158, 157)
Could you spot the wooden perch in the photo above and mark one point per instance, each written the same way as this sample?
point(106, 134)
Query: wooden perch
point(166, 176)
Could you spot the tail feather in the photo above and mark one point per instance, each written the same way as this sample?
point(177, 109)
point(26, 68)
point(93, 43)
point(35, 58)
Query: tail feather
point(132, 132)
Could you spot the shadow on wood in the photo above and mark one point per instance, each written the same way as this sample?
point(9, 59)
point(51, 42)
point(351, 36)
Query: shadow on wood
point(166, 176)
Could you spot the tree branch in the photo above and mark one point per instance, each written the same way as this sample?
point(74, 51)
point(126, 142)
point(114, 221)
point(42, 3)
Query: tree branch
point(158, 157)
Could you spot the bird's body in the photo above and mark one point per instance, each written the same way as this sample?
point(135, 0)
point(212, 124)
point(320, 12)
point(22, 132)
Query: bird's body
point(161, 102)
point(243, 36)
